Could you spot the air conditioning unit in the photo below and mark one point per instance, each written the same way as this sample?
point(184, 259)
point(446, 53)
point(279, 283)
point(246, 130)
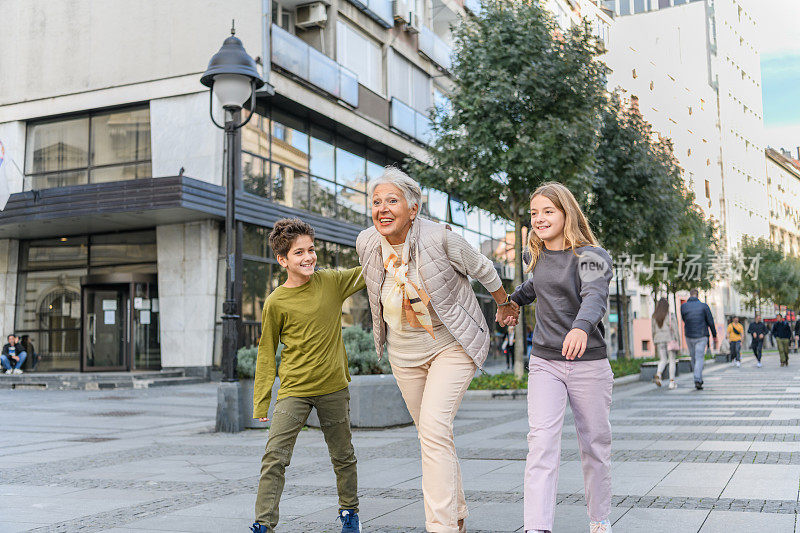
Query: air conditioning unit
point(311, 15)
point(401, 11)
point(413, 24)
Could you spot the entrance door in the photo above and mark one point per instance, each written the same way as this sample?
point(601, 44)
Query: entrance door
point(106, 332)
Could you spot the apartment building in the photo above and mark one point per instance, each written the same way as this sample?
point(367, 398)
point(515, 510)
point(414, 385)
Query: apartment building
point(111, 243)
point(783, 181)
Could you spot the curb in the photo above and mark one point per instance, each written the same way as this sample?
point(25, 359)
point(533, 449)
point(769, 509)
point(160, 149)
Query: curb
point(513, 394)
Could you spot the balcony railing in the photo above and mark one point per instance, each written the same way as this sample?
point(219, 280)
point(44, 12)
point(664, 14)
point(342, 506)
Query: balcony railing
point(434, 48)
point(411, 122)
point(292, 54)
point(379, 10)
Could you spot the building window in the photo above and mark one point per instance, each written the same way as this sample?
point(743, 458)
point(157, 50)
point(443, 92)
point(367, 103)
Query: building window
point(308, 167)
point(93, 148)
point(409, 84)
point(361, 54)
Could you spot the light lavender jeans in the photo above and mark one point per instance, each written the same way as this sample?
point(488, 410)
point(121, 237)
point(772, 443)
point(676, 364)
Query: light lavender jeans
point(587, 385)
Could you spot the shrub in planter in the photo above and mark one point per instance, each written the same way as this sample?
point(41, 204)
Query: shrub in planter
point(361, 355)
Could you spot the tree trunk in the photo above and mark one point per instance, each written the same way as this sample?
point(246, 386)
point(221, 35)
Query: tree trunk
point(519, 331)
point(625, 306)
point(620, 328)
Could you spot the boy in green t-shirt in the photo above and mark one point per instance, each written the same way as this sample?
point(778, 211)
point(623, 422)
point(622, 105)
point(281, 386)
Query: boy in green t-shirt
point(305, 314)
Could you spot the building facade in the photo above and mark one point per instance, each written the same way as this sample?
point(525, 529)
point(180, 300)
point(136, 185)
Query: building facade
point(112, 244)
point(783, 180)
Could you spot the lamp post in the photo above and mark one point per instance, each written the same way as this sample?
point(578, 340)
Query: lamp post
point(232, 75)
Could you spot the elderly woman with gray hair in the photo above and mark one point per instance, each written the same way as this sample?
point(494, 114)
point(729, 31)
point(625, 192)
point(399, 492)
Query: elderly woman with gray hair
point(425, 311)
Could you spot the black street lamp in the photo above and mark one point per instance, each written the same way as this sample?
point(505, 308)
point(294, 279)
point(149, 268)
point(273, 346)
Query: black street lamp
point(232, 75)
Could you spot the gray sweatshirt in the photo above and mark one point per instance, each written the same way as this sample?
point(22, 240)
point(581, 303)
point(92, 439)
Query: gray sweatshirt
point(571, 291)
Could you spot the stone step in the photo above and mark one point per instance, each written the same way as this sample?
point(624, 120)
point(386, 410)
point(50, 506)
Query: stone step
point(96, 380)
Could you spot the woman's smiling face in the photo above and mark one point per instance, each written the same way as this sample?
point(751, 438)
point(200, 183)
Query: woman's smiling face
point(547, 220)
point(390, 213)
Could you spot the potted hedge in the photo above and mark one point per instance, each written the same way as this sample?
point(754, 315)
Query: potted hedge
point(246, 368)
point(375, 399)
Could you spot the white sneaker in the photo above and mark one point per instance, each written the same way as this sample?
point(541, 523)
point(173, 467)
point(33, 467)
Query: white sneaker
point(8, 371)
point(672, 384)
point(17, 371)
point(738, 364)
point(758, 364)
point(603, 526)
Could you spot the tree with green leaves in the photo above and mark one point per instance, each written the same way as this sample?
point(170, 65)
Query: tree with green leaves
point(638, 203)
point(524, 110)
point(765, 274)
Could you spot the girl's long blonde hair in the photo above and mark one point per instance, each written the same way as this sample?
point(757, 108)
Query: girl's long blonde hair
point(576, 228)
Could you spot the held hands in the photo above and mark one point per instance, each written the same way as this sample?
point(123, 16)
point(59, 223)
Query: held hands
point(508, 315)
point(574, 344)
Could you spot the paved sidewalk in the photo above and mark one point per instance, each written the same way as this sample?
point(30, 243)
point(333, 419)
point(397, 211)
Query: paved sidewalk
point(726, 459)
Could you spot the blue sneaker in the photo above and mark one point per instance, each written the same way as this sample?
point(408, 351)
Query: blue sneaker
point(258, 528)
point(350, 523)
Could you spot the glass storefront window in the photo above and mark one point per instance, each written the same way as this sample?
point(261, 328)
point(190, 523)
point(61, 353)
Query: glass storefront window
point(351, 205)
point(57, 146)
point(350, 169)
point(253, 175)
point(94, 148)
point(437, 204)
point(48, 306)
point(289, 187)
point(255, 241)
point(458, 214)
point(323, 197)
point(121, 137)
point(322, 157)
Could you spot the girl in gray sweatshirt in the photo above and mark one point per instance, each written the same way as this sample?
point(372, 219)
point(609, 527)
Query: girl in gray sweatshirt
point(569, 285)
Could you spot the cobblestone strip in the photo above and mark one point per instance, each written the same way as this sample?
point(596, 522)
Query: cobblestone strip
point(655, 502)
point(740, 437)
point(659, 456)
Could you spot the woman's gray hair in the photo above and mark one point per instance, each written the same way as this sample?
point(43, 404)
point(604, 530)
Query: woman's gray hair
point(394, 176)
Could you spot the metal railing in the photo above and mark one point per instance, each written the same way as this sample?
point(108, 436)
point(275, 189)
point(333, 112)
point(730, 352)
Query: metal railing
point(292, 54)
point(411, 122)
point(378, 10)
point(435, 49)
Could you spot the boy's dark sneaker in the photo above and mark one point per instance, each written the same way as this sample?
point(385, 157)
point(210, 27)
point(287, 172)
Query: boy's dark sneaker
point(698, 385)
point(350, 523)
point(258, 528)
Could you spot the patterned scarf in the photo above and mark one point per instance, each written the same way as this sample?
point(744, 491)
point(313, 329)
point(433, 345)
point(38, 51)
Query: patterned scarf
point(404, 296)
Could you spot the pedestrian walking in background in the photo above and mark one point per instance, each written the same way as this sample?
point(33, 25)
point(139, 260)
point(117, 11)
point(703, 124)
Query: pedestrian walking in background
point(697, 322)
point(665, 339)
point(508, 346)
point(735, 335)
point(797, 336)
point(568, 361)
point(757, 331)
point(783, 336)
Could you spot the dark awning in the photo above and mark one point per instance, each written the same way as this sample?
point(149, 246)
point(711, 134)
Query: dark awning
point(145, 203)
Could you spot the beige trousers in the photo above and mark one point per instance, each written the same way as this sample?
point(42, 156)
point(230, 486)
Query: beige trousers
point(433, 393)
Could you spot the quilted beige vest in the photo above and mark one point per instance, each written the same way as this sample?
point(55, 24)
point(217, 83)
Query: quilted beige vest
point(451, 294)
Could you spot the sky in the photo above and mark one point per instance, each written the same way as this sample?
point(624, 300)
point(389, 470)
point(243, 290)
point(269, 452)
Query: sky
point(779, 35)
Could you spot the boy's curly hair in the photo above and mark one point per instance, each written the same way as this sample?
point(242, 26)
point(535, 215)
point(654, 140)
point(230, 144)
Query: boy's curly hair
point(285, 231)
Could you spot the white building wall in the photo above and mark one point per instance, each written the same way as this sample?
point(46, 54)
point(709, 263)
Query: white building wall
point(784, 204)
point(12, 135)
point(71, 47)
point(9, 261)
point(187, 287)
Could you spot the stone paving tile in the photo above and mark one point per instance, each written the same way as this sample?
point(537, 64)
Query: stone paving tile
point(162, 473)
point(728, 521)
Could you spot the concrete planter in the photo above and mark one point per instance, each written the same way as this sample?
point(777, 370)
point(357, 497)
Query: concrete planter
point(648, 371)
point(375, 402)
point(685, 365)
point(246, 405)
point(722, 358)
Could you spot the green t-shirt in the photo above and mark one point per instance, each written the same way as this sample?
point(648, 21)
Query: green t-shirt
point(308, 321)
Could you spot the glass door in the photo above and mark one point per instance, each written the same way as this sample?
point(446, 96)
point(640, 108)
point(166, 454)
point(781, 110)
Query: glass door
point(106, 327)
